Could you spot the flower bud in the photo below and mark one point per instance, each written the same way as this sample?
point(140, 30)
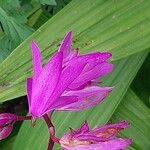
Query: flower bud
point(6, 124)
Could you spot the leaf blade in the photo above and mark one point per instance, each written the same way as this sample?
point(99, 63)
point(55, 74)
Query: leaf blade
point(99, 32)
point(137, 113)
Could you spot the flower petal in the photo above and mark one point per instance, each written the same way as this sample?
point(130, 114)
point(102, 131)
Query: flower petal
point(87, 98)
point(72, 55)
point(67, 76)
point(109, 131)
point(97, 72)
point(46, 84)
point(95, 57)
point(36, 60)
point(5, 132)
point(61, 102)
point(84, 128)
point(65, 46)
point(116, 144)
point(29, 90)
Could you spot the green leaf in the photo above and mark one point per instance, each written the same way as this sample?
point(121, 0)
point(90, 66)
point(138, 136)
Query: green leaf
point(120, 27)
point(52, 10)
point(12, 20)
point(137, 114)
point(121, 78)
point(48, 2)
point(141, 83)
point(5, 45)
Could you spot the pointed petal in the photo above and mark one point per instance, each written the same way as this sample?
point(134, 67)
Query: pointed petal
point(67, 76)
point(62, 101)
point(46, 84)
point(5, 132)
point(84, 127)
point(97, 72)
point(95, 57)
point(116, 144)
point(29, 90)
point(82, 130)
point(36, 60)
point(88, 84)
point(109, 131)
point(87, 137)
point(72, 55)
point(87, 98)
point(65, 46)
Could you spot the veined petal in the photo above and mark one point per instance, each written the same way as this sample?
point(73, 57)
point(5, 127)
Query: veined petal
point(67, 76)
point(84, 128)
point(115, 144)
point(46, 84)
point(62, 101)
point(87, 98)
point(36, 60)
point(5, 131)
point(97, 72)
point(71, 55)
point(88, 84)
point(65, 46)
point(29, 90)
point(95, 57)
point(110, 130)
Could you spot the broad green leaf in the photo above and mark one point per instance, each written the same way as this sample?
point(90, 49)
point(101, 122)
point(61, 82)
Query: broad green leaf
point(141, 83)
point(137, 114)
point(123, 74)
point(120, 27)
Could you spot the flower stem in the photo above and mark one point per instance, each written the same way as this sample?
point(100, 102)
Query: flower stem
point(21, 118)
point(51, 129)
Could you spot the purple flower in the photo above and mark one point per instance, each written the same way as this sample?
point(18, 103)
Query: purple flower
point(102, 137)
point(68, 81)
point(6, 124)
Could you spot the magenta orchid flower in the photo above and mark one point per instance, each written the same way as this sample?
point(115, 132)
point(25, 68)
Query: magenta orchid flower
point(99, 138)
point(68, 81)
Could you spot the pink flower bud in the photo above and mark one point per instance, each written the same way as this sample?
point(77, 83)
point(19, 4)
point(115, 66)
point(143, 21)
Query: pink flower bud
point(6, 124)
point(5, 131)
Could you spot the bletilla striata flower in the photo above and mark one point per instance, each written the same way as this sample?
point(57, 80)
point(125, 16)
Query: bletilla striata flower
point(68, 81)
point(100, 138)
point(6, 124)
